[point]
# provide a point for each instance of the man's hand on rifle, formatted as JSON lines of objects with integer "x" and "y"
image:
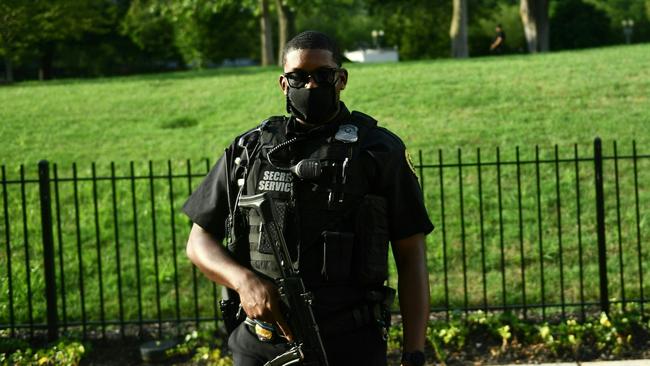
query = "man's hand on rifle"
{"x": 261, "y": 301}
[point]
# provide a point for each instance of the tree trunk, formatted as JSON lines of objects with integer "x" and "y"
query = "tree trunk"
{"x": 542, "y": 26}
{"x": 266, "y": 34}
{"x": 458, "y": 30}
{"x": 534, "y": 16}
{"x": 9, "y": 69}
{"x": 285, "y": 27}
{"x": 47, "y": 59}
{"x": 526, "y": 10}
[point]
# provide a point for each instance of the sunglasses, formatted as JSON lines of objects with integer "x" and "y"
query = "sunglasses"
{"x": 322, "y": 76}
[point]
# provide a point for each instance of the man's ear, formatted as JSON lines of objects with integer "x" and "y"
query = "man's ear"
{"x": 283, "y": 84}
{"x": 343, "y": 78}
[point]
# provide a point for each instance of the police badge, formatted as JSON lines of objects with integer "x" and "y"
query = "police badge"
{"x": 347, "y": 133}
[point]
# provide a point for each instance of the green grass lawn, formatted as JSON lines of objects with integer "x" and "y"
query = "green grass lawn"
{"x": 561, "y": 98}
{"x": 437, "y": 107}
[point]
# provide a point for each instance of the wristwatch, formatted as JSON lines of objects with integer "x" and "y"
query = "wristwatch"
{"x": 414, "y": 358}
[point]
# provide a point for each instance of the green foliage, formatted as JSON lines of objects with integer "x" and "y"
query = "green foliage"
{"x": 351, "y": 31}
{"x": 91, "y": 38}
{"x": 395, "y": 338}
{"x": 496, "y": 334}
{"x": 587, "y": 26}
{"x": 29, "y": 29}
{"x": 64, "y": 353}
{"x": 15, "y": 34}
{"x": 198, "y": 29}
{"x": 145, "y": 24}
{"x": 419, "y": 29}
{"x": 10, "y": 345}
{"x": 635, "y": 10}
{"x": 616, "y": 335}
{"x": 617, "y": 10}
{"x": 26, "y": 23}
{"x": 206, "y": 349}
{"x": 482, "y": 30}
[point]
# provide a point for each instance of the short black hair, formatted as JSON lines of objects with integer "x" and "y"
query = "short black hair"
{"x": 313, "y": 40}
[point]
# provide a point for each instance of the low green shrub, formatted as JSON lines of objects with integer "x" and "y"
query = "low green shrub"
{"x": 505, "y": 335}
{"x": 206, "y": 349}
{"x": 464, "y": 336}
{"x": 63, "y": 353}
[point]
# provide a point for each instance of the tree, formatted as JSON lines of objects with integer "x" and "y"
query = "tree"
{"x": 534, "y": 17}
{"x": 266, "y": 34}
{"x": 483, "y": 25}
{"x": 458, "y": 30}
{"x": 37, "y": 25}
{"x": 14, "y": 34}
{"x": 351, "y": 31}
{"x": 147, "y": 26}
{"x": 286, "y": 25}
{"x": 620, "y": 10}
{"x": 588, "y": 25}
{"x": 195, "y": 23}
{"x": 419, "y": 28}
{"x": 62, "y": 20}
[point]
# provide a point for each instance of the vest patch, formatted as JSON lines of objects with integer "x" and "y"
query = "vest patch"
{"x": 274, "y": 180}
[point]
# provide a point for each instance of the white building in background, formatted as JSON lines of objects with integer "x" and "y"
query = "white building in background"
{"x": 373, "y": 55}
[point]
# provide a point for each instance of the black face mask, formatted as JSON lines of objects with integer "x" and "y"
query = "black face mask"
{"x": 313, "y": 106}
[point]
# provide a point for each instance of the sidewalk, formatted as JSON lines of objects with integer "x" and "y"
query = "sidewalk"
{"x": 592, "y": 363}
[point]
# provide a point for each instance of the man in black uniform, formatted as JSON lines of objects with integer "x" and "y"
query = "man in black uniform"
{"x": 498, "y": 44}
{"x": 337, "y": 217}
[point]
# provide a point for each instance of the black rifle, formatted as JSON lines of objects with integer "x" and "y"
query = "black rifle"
{"x": 307, "y": 347}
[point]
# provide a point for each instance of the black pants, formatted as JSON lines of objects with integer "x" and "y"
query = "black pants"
{"x": 361, "y": 347}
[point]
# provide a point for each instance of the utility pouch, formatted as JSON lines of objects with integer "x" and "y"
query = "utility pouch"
{"x": 337, "y": 256}
{"x": 237, "y": 244}
{"x": 383, "y": 298}
{"x": 371, "y": 249}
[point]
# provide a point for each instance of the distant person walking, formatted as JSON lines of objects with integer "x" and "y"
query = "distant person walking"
{"x": 497, "y": 47}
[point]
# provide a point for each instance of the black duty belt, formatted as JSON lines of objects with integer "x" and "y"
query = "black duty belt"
{"x": 349, "y": 320}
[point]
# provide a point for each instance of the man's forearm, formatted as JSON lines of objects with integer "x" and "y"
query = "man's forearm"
{"x": 414, "y": 306}
{"x": 413, "y": 289}
{"x": 213, "y": 259}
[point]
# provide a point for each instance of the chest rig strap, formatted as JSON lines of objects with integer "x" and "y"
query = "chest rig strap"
{"x": 340, "y": 154}
{"x": 335, "y": 156}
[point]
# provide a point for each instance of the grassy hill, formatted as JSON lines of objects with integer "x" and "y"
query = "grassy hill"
{"x": 559, "y": 98}
{"x": 494, "y": 227}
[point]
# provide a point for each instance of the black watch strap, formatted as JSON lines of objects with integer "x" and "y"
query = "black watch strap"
{"x": 414, "y": 358}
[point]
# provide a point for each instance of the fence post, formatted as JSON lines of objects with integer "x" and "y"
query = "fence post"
{"x": 48, "y": 248}
{"x": 600, "y": 224}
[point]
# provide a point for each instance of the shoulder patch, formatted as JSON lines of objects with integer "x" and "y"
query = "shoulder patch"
{"x": 409, "y": 162}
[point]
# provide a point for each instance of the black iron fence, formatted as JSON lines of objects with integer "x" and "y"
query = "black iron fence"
{"x": 101, "y": 251}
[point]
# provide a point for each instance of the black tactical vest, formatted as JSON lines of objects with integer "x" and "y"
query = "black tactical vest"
{"x": 336, "y": 231}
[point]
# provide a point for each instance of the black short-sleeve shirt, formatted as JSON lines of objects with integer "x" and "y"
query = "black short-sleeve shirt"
{"x": 385, "y": 162}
